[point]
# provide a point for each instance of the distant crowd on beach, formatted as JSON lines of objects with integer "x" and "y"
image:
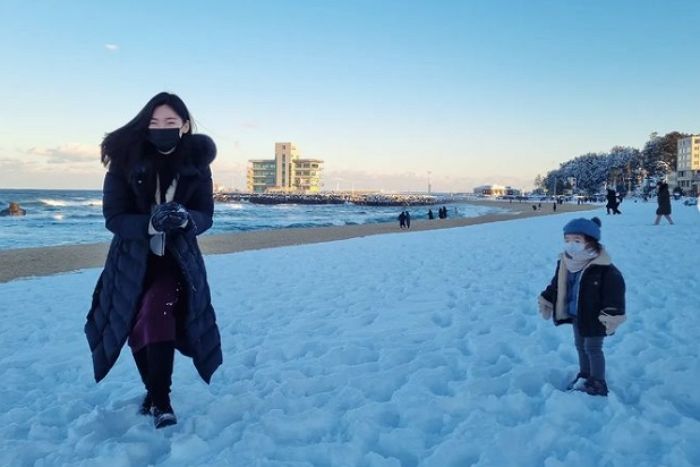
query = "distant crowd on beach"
{"x": 613, "y": 201}
{"x": 405, "y": 217}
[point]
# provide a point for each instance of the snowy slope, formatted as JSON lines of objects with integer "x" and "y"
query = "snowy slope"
{"x": 397, "y": 350}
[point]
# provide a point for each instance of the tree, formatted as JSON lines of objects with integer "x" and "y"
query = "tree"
{"x": 660, "y": 153}
{"x": 539, "y": 181}
{"x": 622, "y": 167}
{"x": 593, "y": 170}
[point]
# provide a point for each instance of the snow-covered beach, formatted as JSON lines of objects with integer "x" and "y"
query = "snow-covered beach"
{"x": 404, "y": 349}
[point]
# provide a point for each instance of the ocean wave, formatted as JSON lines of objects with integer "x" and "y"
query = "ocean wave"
{"x": 229, "y": 207}
{"x": 302, "y": 225}
{"x": 63, "y": 203}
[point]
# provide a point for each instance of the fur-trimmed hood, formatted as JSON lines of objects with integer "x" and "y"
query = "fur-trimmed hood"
{"x": 190, "y": 162}
{"x": 199, "y": 151}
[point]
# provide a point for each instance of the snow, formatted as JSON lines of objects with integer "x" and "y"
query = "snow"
{"x": 408, "y": 349}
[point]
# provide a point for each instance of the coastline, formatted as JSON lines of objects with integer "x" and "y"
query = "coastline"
{"x": 42, "y": 261}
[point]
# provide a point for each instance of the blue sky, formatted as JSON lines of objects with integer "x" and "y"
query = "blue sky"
{"x": 383, "y": 91}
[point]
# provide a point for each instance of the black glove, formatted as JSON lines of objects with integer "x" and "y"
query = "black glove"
{"x": 169, "y": 216}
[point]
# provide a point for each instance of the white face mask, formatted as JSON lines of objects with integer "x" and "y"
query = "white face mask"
{"x": 574, "y": 248}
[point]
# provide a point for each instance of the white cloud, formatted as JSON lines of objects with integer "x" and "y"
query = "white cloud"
{"x": 112, "y": 47}
{"x": 70, "y": 153}
{"x": 229, "y": 174}
{"x": 249, "y": 125}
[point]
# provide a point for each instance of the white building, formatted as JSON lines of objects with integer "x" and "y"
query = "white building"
{"x": 286, "y": 173}
{"x": 688, "y": 164}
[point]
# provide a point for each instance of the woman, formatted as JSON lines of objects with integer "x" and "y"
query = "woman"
{"x": 663, "y": 197}
{"x": 153, "y": 291}
{"x": 587, "y": 291}
{"x": 613, "y": 202}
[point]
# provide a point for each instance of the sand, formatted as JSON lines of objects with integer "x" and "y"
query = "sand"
{"x": 29, "y": 262}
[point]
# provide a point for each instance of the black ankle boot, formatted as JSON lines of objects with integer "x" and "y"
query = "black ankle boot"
{"x": 164, "y": 416}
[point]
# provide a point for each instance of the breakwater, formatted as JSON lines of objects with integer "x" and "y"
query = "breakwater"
{"x": 363, "y": 199}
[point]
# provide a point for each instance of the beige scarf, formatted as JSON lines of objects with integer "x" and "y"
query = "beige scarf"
{"x": 157, "y": 241}
{"x": 578, "y": 261}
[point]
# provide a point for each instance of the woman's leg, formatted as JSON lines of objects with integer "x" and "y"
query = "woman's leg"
{"x": 152, "y": 340}
{"x": 141, "y": 360}
{"x": 160, "y": 364}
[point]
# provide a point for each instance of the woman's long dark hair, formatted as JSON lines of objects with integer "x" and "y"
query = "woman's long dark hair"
{"x": 124, "y": 146}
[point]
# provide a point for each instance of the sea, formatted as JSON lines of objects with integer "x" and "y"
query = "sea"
{"x": 62, "y": 217}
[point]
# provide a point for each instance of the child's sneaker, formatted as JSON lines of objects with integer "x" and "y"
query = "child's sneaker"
{"x": 572, "y": 385}
{"x": 595, "y": 387}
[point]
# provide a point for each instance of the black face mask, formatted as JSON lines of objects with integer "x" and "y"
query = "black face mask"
{"x": 165, "y": 140}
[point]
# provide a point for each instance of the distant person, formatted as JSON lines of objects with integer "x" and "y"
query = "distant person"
{"x": 153, "y": 291}
{"x": 554, "y": 206}
{"x": 402, "y": 220}
{"x": 613, "y": 202}
{"x": 408, "y": 220}
{"x": 663, "y": 198}
{"x": 430, "y": 214}
{"x": 13, "y": 210}
{"x": 587, "y": 291}
{"x": 444, "y": 212}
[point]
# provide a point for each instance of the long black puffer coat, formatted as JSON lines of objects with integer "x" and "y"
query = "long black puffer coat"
{"x": 126, "y": 206}
{"x": 664, "y": 200}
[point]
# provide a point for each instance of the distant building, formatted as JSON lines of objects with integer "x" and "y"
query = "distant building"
{"x": 497, "y": 190}
{"x": 490, "y": 190}
{"x": 510, "y": 191}
{"x": 286, "y": 173}
{"x": 688, "y": 165}
{"x": 261, "y": 175}
{"x": 307, "y": 175}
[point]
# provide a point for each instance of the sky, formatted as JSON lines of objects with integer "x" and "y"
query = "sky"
{"x": 390, "y": 94}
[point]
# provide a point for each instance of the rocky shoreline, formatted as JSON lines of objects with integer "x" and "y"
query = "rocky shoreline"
{"x": 339, "y": 198}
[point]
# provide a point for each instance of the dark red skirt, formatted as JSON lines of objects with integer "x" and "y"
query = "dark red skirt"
{"x": 156, "y": 320}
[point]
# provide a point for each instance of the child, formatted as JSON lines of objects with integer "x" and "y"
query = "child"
{"x": 587, "y": 291}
